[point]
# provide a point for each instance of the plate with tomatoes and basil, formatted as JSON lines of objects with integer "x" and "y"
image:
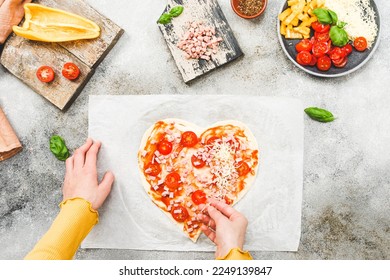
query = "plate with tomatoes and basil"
{"x": 329, "y": 52}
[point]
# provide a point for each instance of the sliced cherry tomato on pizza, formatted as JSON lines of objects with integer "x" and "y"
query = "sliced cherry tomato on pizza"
{"x": 152, "y": 169}
{"x": 319, "y": 27}
{"x": 340, "y": 63}
{"x": 197, "y": 162}
{"x": 70, "y": 71}
{"x": 304, "y": 58}
{"x": 228, "y": 200}
{"x": 337, "y": 53}
{"x": 320, "y": 48}
{"x": 211, "y": 140}
{"x": 172, "y": 180}
{"x": 235, "y": 144}
{"x": 45, "y": 74}
{"x": 189, "y": 139}
{"x": 321, "y": 36}
{"x": 324, "y": 63}
{"x": 243, "y": 168}
{"x": 179, "y": 213}
{"x": 348, "y": 49}
{"x": 164, "y": 147}
{"x": 199, "y": 197}
{"x": 313, "y": 61}
{"x": 304, "y": 45}
{"x": 360, "y": 44}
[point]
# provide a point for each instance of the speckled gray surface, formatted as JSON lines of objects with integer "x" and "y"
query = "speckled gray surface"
{"x": 346, "y": 191}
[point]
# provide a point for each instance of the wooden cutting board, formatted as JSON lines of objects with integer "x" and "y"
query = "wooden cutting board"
{"x": 209, "y": 12}
{"x": 23, "y": 57}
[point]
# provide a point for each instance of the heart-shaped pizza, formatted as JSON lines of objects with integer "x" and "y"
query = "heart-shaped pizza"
{"x": 182, "y": 165}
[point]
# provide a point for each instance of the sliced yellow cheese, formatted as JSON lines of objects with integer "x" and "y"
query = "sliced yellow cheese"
{"x": 53, "y": 25}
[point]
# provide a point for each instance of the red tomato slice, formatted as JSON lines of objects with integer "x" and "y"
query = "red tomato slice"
{"x": 199, "y": 197}
{"x": 70, "y": 71}
{"x": 348, "y": 49}
{"x": 337, "y": 53}
{"x": 189, "y": 139}
{"x": 324, "y": 63}
{"x": 321, "y": 37}
{"x": 321, "y": 28}
{"x": 304, "y": 58}
{"x": 313, "y": 61}
{"x": 45, "y": 74}
{"x": 341, "y": 63}
{"x": 179, "y": 213}
{"x": 152, "y": 169}
{"x": 360, "y": 44}
{"x": 228, "y": 200}
{"x": 172, "y": 180}
{"x": 164, "y": 147}
{"x": 211, "y": 140}
{"x": 320, "y": 48}
{"x": 304, "y": 45}
{"x": 197, "y": 162}
{"x": 243, "y": 169}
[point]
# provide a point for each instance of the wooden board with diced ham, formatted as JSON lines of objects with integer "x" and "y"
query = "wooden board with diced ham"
{"x": 183, "y": 165}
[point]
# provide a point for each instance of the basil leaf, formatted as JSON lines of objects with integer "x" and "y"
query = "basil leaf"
{"x": 338, "y": 36}
{"x": 58, "y": 147}
{"x": 333, "y": 16}
{"x": 323, "y": 16}
{"x": 341, "y": 24}
{"x": 165, "y": 19}
{"x": 320, "y": 115}
{"x": 176, "y": 11}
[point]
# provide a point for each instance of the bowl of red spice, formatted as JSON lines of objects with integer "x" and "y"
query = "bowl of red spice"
{"x": 249, "y": 8}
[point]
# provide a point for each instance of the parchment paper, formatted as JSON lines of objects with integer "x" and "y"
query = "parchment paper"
{"x": 130, "y": 220}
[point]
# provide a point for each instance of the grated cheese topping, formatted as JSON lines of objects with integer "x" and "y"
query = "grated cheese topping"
{"x": 359, "y": 16}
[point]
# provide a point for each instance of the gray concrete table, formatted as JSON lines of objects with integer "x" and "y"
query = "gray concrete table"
{"x": 346, "y": 191}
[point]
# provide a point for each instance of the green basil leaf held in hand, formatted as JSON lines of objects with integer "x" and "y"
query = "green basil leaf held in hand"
{"x": 58, "y": 148}
{"x": 165, "y": 19}
{"x": 338, "y": 36}
{"x": 176, "y": 11}
{"x": 319, "y": 114}
{"x": 323, "y": 16}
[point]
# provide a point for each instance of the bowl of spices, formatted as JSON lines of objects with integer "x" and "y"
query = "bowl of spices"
{"x": 249, "y": 8}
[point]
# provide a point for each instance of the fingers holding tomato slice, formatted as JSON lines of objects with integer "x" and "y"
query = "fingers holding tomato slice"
{"x": 45, "y": 74}
{"x": 70, "y": 71}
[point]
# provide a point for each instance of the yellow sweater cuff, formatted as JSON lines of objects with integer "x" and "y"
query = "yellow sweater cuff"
{"x": 236, "y": 254}
{"x": 75, "y": 220}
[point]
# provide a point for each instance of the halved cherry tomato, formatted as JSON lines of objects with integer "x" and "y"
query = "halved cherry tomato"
{"x": 337, "y": 53}
{"x": 45, "y": 74}
{"x": 320, "y": 27}
{"x": 197, "y": 162}
{"x": 179, "y": 213}
{"x": 321, "y": 36}
{"x": 340, "y": 63}
{"x": 189, "y": 139}
{"x": 164, "y": 147}
{"x": 324, "y": 63}
{"x": 70, "y": 71}
{"x": 228, "y": 200}
{"x": 211, "y": 140}
{"x": 152, "y": 169}
{"x": 172, "y": 180}
{"x": 304, "y": 58}
{"x": 313, "y": 61}
{"x": 243, "y": 169}
{"x": 360, "y": 44}
{"x": 304, "y": 45}
{"x": 199, "y": 197}
{"x": 348, "y": 49}
{"x": 320, "y": 48}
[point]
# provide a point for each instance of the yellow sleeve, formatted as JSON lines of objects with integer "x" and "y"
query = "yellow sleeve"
{"x": 71, "y": 226}
{"x": 237, "y": 254}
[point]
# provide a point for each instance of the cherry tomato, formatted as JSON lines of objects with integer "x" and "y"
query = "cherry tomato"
{"x": 313, "y": 61}
{"x": 179, "y": 213}
{"x": 189, "y": 139}
{"x": 70, "y": 71}
{"x": 324, "y": 63}
{"x": 340, "y": 63}
{"x": 152, "y": 169}
{"x": 199, "y": 197}
{"x": 304, "y": 45}
{"x": 211, "y": 140}
{"x": 243, "y": 169}
{"x": 228, "y": 200}
{"x": 348, "y": 49}
{"x": 321, "y": 37}
{"x": 360, "y": 44}
{"x": 164, "y": 147}
{"x": 320, "y": 48}
{"x": 304, "y": 58}
{"x": 45, "y": 74}
{"x": 321, "y": 28}
{"x": 197, "y": 162}
{"x": 172, "y": 180}
{"x": 337, "y": 53}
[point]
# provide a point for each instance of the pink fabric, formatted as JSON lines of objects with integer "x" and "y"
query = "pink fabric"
{"x": 9, "y": 142}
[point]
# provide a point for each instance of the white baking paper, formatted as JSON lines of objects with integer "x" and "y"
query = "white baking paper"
{"x": 130, "y": 220}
